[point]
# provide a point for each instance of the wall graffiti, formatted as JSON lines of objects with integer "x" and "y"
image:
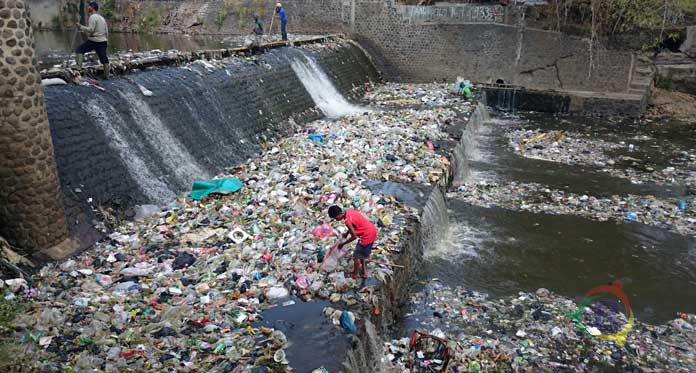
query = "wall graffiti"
{"x": 451, "y": 14}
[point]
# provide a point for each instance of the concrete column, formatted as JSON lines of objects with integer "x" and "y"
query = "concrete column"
{"x": 31, "y": 205}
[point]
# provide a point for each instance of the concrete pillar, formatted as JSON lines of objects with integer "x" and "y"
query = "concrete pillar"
{"x": 31, "y": 205}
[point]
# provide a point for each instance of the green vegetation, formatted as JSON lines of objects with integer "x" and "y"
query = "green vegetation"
{"x": 106, "y": 8}
{"x": 8, "y": 311}
{"x": 243, "y": 14}
{"x": 222, "y": 15}
{"x": 150, "y": 21}
{"x": 663, "y": 82}
{"x": 605, "y": 17}
{"x": 56, "y": 22}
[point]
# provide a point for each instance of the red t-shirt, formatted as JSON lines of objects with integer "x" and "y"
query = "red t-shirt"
{"x": 366, "y": 231}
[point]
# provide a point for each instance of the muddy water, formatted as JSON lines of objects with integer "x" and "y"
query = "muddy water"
{"x": 501, "y": 252}
{"x": 313, "y": 341}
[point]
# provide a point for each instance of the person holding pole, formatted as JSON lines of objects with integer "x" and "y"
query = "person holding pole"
{"x": 97, "y": 36}
{"x": 283, "y": 20}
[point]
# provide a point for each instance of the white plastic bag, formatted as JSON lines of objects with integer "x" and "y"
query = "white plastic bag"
{"x": 331, "y": 260}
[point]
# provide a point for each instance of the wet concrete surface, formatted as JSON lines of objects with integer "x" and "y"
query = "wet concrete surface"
{"x": 502, "y": 252}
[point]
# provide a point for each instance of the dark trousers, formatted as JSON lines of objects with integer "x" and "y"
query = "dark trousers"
{"x": 283, "y": 31}
{"x": 99, "y": 47}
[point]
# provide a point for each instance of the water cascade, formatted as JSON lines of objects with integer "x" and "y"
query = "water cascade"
{"x": 327, "y": 98}
{"x": 139, "y": 168}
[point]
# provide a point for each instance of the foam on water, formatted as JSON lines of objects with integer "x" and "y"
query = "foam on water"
{"x": 176, "y": 157}
{"x": 114, "y": 127}
{"x": 461, "y": 241}
{"x": 325, "y": 95}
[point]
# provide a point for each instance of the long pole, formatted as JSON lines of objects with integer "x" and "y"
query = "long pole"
{"x": 72, "y": 45}
{"x": 270, "y": 29}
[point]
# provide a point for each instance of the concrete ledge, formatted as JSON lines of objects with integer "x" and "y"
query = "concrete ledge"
{"x": 187, "y": 57}
{"x": 366, "y": 355}
{"x": 510, "y": 98}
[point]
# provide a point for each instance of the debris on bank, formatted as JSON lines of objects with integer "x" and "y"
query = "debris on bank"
{"x": 182, "y": 289}
{"x": 576, "y": 149}
{"x": 539, "y": 331}
{"x": 678, "y": 216}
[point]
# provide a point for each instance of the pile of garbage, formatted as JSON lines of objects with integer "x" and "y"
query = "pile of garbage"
{"x": 540, "y": 331}
{"x": 560, "y": 146}
{"x": 184, "y": 288}
{"x": 429, "y": 95}
{"x": 577, "y": 149}
{"x": 675, "y": 215}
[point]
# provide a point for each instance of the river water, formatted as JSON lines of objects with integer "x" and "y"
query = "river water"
{"x": 501, "y": 252}
{"x": 53, "y": 47}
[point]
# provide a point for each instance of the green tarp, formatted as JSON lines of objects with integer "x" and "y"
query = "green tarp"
{"x": 202, "y": 188}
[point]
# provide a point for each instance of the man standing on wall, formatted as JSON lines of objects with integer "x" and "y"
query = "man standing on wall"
{"x": 283, "y": 20}
{"x": 97, "y": 35}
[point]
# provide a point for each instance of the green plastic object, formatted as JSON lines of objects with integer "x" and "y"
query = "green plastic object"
{"x": 466, "y": 92}
{"x": 202, "y": 188}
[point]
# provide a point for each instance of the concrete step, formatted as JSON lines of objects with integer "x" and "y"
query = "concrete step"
{"x": 642, "y": 71}
{"x": 641, "y": 80}
{"x": 637, "y": 91}
{"x": 638, "y": 86}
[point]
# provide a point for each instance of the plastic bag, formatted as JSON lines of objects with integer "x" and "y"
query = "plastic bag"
{"x": 331, "y": 260}
{"x": 348, "y": 322}
{"x": 322, "y": 231}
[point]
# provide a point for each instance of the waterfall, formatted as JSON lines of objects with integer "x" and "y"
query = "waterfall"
{"x": 177, "y": 159}
{"x": 325, "y": 95}
{"x": 115, "y": 129}
{"x": 507, "y": 99}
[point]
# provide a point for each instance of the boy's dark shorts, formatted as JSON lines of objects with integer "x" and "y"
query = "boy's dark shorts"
{"x": 363, "y": 251}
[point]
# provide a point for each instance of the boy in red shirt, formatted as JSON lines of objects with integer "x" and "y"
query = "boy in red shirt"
{"x": 358, "y": 227}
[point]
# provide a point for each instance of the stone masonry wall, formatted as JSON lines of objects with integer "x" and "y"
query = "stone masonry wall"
{"x": 230, "y": 16}
{"x": 483, "y": 47}
{"x": 31, "y": 210}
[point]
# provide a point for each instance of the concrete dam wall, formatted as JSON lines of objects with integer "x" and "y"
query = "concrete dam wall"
{"x": 120, "y": 147}
{"x": 483, "y": 43}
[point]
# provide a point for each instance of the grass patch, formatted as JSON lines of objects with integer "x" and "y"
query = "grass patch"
{"x": 150, "y": 21}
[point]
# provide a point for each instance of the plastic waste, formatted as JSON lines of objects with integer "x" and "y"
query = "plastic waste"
{"x": 323, "y": 231}
{"x": 277, "y": 292}
{"x": 331, "y": 260}
{"x": 348, "y": 322}
{"x": 143, "y": 212}
{"x": 146, "y": 92}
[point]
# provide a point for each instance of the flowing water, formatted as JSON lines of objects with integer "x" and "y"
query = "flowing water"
{"x": 131, "y": 151}
{"x": 323, "y": 92}
{"x": 176, "y": 157}
{"x": 501, "y": 252}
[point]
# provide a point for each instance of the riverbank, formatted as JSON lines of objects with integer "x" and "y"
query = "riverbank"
{"x": 185, "y": 288}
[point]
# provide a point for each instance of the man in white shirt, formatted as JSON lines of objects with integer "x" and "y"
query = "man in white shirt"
{"x": 97, "y": 35}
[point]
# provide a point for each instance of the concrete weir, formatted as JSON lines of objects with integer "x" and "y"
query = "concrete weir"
{"x": 366, "y": 355}
{"x": 118, "y": 148}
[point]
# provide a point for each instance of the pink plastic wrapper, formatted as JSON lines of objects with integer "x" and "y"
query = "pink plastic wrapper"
{"x": 322, "y": 231}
